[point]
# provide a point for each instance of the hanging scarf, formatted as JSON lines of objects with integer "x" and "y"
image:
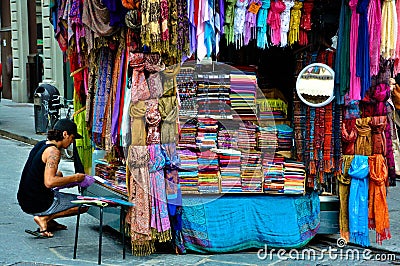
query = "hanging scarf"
{"x": 153, "y": 119}
{"x": 344, "y": 191}
{"x": 378, "y": 126}
{"x": 363, "y": 143}
{"x": 138, "y": 216}
{"x": 285, "y": 21}
{"x": 164, "y": 20}
{"x": 96, "y": 17}
{"x": 169, "y": 80}
{"x": 250, "y": 25}
{"x": 183, "y": 30}
{"x": 172, "y": 51}
{"x": 388, "y": 29}
{"x": 274, "y": 21}
{"x": 397, "y": 52}
{"x": 168, "y": 108}
{"x": 342, "y": 76}
{"x": 328, "y": 156}
{"x": 262, "y": 24}
{"x": 381, "y": 94}
{"x": 355, "y": 85}
{"x": 118, "y": 100}
{"x": 150, "y": 32}
{"x": 362, "y": 64}
{"x": 305, "y": 21}
{"x": 160, "y": 225}
{"x": 374, "y": 29}
{"x": 154, "y": 66}
{"x": 192, "y": 25}
{"x": 238, "y": 24}
{"x": 294, "y": 27}
{"x": 390, "y": 156}
{"x": 137, "y": 112}
{"x": 358, "y": 200}
{"x": 139, "y": 90}
{"x": 378, "y": 213}
{"x": 131, "y": 4}
{"x": 229, "y": 21}
{"x": 349, "y": 136}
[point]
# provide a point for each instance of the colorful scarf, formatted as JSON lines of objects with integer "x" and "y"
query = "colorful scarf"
{"x": 229, "y": 21}
{"x": 96, "y": 17}
{"x": 305, "y": 21}
{"x": 160, "y": 225}
{"x": 168, "y": 107}
{"x": 153, "y": 66}
{"x": 250, "y": 24}
{"x": 262, "y": 24}
{"x": 285, "y": 21}
{"x": 349, "y": 136}
{"x": 389, "y": 29}
{"x": 397, "y": 52}
{"x": 153, "y": 119}
{"x": 238, "y": 24}
{"x": 378, "y": 126}
{"x": 358, "y": 200}
{"x": 294, "y": 27}
{"x": 274, "y": 21}
{"x": 378, "y": 213}
{"x": 381, "y": 94}
{"x": 137, "y": 112}
{"x": 138, "y": 216}
{"x": 139, "y": 90}
{"x": 363, "y": 143}
{"x": 374, "y": 29}
{"x": 328, "y": 156}
{"x": 344, "y": 191}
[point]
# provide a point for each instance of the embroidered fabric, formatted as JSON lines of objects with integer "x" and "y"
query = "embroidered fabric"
{"x": 139, "y": 90}
{"x": 153, "y": 119}
{"x": 238, "y": 24}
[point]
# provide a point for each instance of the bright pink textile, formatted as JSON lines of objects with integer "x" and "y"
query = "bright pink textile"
{"x": 355, "y": 84}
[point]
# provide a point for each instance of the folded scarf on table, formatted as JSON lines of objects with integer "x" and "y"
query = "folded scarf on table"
{"x": 358, "y": 200}
{"x": 378, "y": 213}
{"x": 344, "y": 190}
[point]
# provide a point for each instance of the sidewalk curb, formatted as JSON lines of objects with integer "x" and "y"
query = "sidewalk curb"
{"x": 18, "y": 137}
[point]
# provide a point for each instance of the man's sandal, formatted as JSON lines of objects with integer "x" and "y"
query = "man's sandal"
{"x": 38, "y": 233}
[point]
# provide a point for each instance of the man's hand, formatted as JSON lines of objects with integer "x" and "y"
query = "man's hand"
{"x": 79, "y": 177}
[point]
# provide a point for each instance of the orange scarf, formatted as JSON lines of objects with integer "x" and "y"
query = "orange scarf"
{"x": 378, "y": 213}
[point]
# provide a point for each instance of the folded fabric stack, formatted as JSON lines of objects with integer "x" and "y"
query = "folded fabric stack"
{"x": 213, "y": 95}
{"x": 188, "y": 170}
{"x": 120, "y": 177}
{"x": 251, "y": 171}
{"x": 229, "y": 163}
{"x": 273, "y": 174}
{"x": 209, "y": 174}
{"x": 187, "y": 88}
{"x": 187, "y": 138}
{"x": 271, "y": 108}
{"x": 103, "y": 170}
{"x": 243, "y": 95}
{"x": 295, "y": 176}
{"x": 285, "y": 137}
{"x": 267, "y": 139}
{"x": 207, "y": 131}
{"x": 247, "y": 136}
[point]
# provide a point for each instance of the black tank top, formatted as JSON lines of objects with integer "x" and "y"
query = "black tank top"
{"x": 33, "y": 196}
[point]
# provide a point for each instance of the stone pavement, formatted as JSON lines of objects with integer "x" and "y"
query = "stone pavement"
{"x": 17, "y": 122}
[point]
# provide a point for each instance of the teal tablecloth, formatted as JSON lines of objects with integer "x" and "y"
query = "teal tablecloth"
{"x": 236, "y": 222}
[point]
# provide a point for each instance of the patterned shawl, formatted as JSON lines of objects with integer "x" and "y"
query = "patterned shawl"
{"x": 140, "y": 90}
{"x": 138, "y": 216}
{"x": 378, "y": 213}
{"x": 96, "y": 17}
{"x": 153, "y": 119}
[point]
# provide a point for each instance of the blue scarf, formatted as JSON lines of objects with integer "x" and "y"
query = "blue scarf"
{"x": 358, "y": 200}
{"x": 262, "y": 24}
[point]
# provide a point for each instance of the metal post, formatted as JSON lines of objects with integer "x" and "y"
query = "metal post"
{"x": 77, "y": 230}
{"x": 122, "y": 229}
{"x": 100, "y": 233}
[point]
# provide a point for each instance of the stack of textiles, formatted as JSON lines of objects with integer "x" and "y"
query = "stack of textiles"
{"x": 229, "y": 163}
{"x": 250, "y": 171}
{"x": 285, "y": 137}
{"x": 247, "y": 136}
{"x": 207, "y": 132}
{"x": 209, "y": 174}
{"x": 267, "y": 139}
{"x": 213, "y": 98}
{"x": 273, "y": 174}
{"x": 120, "y": 178}
{"x": 188, "y": 170}
{"x": 103, "y": 170}
{"x": 187, "y": 138}
{"x": 295, "y": 176}
{"x": 187, "y": 88}
{"x": 228, "y": 134}
{"x": 243, "y": 95}
{"x": 271, "y": 108}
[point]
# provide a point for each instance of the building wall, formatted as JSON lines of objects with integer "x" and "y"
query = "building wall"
{"x": 52, "y": 56}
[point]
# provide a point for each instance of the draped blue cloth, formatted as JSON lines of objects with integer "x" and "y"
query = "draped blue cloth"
{"x": 227, "y": 223}
{"x": 358, "y": 200}
{"x": 262, "y": 24}
{"x": 362, "y": 61}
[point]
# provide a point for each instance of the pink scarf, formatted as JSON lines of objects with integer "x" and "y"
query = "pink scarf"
{"x": 355, "y": 83}
{"x": 274, "y": 21}
{"x": 374, "y": 29}
{"x": 397, "y": 59}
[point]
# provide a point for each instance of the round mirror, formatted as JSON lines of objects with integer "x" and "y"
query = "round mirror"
{"x": 315, "y": 84}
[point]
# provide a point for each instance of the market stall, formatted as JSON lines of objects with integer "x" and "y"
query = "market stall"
{"x": 218, "y": 119}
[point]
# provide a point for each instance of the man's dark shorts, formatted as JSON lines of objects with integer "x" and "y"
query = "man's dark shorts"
{"x": 61, "y": 202}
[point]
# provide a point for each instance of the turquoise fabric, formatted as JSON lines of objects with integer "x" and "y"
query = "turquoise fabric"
{"x": 236, "y": 222}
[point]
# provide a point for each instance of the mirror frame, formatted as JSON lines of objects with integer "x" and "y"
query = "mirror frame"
{"x": 331, "y": 97}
